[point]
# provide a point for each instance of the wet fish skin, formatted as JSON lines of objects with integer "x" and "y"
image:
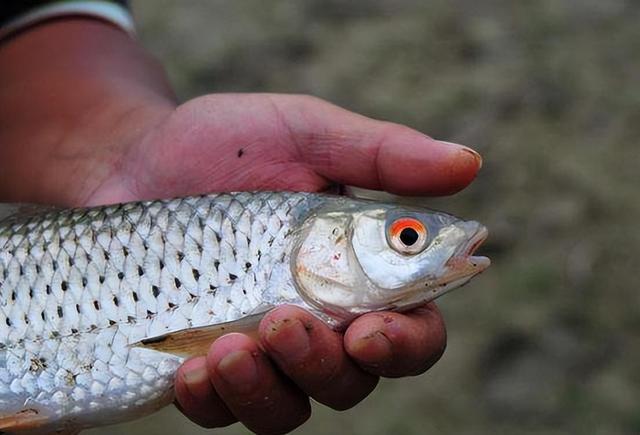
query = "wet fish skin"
{"x": 80, "y": 288}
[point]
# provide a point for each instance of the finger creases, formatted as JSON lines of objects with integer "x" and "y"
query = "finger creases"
{"x": 393, "y": 344}
{"x": 252, "y": 389}
{"x": 313, "y": 356}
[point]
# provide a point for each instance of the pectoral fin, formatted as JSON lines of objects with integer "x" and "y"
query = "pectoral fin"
{"x": 196, "y": 341}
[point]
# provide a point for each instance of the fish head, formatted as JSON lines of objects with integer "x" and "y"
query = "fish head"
{"x": 366, "y": 257}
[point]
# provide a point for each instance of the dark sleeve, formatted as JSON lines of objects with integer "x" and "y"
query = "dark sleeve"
{"x": 10, "y": 9}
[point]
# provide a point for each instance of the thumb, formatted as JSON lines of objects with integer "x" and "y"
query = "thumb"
{"x": 292, "y": 142}
{"x": 352, "y": 149}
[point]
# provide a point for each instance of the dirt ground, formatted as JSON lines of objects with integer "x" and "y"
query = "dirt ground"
{"x": 548, "y": 340}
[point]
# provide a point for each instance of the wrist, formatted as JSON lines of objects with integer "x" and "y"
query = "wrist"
{"x": 76, "y": 94}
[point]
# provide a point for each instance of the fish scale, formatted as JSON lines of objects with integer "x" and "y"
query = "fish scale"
{"x": 79, "y": 287}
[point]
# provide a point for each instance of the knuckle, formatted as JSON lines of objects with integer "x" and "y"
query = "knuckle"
{"x": 386, "y": 130}
{"x": 307, "y": 99}
{"x": 283, "y": 103}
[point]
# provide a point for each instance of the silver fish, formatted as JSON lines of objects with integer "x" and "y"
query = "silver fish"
{"x": 99, "y": 306}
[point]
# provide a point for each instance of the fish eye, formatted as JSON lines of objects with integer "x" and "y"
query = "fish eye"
{"x": 407, "y": 235}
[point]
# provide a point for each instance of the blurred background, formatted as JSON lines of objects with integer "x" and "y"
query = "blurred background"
{"x": 548, "y": 340}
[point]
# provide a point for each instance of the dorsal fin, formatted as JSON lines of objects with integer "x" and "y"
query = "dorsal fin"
{"x": 196, "y": 341}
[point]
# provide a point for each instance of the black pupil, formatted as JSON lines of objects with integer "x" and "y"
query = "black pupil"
{"x": 409, "y": 236}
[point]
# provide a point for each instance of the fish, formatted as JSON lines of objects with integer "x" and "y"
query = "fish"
{"x": 99, "y": 306}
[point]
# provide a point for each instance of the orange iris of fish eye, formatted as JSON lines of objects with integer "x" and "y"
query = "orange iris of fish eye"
{"x": 401, "y": 224}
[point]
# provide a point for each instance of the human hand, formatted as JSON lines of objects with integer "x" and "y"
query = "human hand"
{"x": 117, "y": 137}
{"x": 253, "y": 142}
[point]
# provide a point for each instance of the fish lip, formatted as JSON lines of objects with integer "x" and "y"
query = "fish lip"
{"x": 480, "y": 263}
{"x": 477, "y": 261}
{"x": 464, "y": 260}
{"x": 474, "y": 242}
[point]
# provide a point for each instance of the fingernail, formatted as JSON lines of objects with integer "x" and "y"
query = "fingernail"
{"x": 194, "y": 373}
{"x": 239, "y": 368}
{"x": 289, "y": 338}
{"x": 477, "y": 157}
{"x": 373, "y": 349}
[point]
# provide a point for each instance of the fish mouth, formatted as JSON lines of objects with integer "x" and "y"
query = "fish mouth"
{"x": 468, "y": 249}
{"x": 463, "y": 264}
